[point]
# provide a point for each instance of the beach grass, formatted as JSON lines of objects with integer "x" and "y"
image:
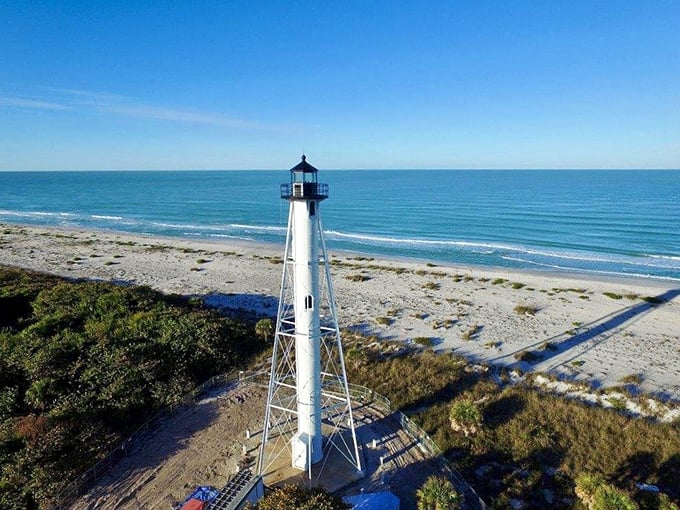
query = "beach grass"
{"x": 357, "y": 277}
{"x": 526, "y": 435}
{"x": 526, "y": 309}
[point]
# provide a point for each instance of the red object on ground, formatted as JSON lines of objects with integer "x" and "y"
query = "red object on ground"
{"x": 194, "y": 504}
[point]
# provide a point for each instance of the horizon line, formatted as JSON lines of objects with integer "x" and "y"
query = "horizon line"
{"x": 405, "y": 169}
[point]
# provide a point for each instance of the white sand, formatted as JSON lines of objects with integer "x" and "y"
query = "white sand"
{"x": 595, "y": 338}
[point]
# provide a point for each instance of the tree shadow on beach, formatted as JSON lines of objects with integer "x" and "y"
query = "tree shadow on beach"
{"x": 369, "y": 331}
{"x": 595, "y": 332}
{"x": 255, "y": 305}
{"x": 502, "y": 410}
{"x": 646, "y": 467}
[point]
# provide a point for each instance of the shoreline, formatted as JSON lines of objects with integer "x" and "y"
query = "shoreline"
{"x": 601, "y": 331}
{"x": 231, "y": 242}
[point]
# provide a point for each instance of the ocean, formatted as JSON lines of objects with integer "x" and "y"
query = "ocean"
{"x": 607, "y": 222}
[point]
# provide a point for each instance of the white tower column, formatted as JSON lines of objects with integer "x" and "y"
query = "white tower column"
{"x": 307, "y": 441}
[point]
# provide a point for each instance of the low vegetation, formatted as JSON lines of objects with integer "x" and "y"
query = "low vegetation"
{"x": 264, "y": 328}
{"x": 438, "y": 493}
{"x": 471, "y": 332}
{"x": 291, "y": 496}
{"x": 431, "y": 286}
{"x": 384, "y": 321}
{"x": 82, "y": 364}
{"x": 357, "y": 277}
{"x": 526, "y": 310}
{"x": 530, "y": 446}
{"x": 465, "y": 417}
{"x": 446, "y": 324}
{"x": 632, "y": 379}
{"x": 425, "y": 341}
{"x": 527, "y": 356}
{"x": 596, "y": 494}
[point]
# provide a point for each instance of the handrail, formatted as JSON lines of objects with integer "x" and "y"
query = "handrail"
{"x": 416, "y": 433}
{"x": 304, "y": 190}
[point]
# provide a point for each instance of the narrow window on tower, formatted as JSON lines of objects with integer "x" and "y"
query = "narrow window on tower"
{"x": 312, "y": 208}
{"x": 309, "y": 302}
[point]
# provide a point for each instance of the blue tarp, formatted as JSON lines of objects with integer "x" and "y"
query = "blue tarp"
{"x": 205, "y": 494}
{"x": 373, "y": 501}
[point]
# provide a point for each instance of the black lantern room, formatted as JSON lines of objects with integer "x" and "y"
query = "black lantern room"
{"x": 303, "y": 183}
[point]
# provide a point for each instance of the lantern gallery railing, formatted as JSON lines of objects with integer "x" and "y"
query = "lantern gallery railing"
{"x": 313, "y": 190}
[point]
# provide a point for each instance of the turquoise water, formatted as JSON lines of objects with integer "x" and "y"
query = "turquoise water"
{"x": 605, "y": 222}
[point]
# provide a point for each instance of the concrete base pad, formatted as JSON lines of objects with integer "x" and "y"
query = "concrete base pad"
{"x": 332, "y": 473}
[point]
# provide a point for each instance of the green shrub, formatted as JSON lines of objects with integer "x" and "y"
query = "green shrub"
{"x": 83, "y": 364}
{"x": 425, "y": 341}
{"x": 613, "y": 295}
{"x": 587, "y": 485}
{"x": 357, "y": 277}
{"x": 632, "y": 379}
{"x": 526, "y": 310}
{"x": 470, "y": 333}
{"x": 355, "y": 356}
{"x": 446, "y": 324}
{"x": 664, "y": 503}
{"x": 466, "y": 413}
{"x": 618, "y": 404}
{"x": 291, "y": 496}
{"x": 264, "y": 328}
{"x": 438, "y": 493}
{"x": 608, "y": 497}
{"x": 527, "y": 356}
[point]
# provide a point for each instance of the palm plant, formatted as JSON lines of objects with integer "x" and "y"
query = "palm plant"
{"x": 608, "y": 497}
{"x": 264, "y": 328}
{"x": 586, "y": 487}
{"x": 465, "y": 416}
{"x": 438, "y": 493}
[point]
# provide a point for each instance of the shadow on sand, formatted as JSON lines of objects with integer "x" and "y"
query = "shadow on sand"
{"x": 256, "y": 305}
{"x": 595, "y": 332}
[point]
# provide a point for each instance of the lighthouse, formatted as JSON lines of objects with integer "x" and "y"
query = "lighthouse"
{"x": 308, "y": 413}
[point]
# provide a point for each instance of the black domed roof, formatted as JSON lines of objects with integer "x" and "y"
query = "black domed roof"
{"x": 303, "y": 166}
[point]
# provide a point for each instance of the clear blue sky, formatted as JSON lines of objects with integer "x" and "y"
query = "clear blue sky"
{"x": 367, "y": 84}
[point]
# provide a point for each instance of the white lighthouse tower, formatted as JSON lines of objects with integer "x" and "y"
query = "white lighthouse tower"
{"x": 308, "y": 414}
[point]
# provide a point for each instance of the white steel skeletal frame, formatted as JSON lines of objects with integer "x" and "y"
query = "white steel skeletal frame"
{"x": 280, "y": 422}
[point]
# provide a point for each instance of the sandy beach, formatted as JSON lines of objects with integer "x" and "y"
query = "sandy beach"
{"x": 601, "y": 331}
